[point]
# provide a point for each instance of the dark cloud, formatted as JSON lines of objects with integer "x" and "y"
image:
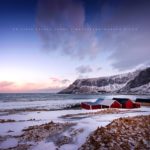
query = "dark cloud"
{"x": 68, "y": 14}
{"x": 60, "y": 82}
{"x": 127, "y": 42}
{"x": 129, "y": 48}
{"x": 84, "y": 69}
{"x": 54, "y": 13}
{"x": 99, "y": 68}
{"x": 131, "y": 51}
{"x": 65, "y": 81}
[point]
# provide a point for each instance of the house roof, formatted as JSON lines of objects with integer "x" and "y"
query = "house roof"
{"x": 98, "y": 101}
{"x": 107, "y": 102}
{"x": 121, "y": 100}
{"x": 143, "y": 100}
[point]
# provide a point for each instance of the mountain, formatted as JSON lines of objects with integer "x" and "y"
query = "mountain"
{"x": 140, "y": 84}
{"x": 137, "y": 82}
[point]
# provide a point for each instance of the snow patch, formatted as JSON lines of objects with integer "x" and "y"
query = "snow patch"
{"x": 9, "y": 143}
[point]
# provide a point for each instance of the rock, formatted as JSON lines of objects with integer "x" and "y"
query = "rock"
{"x": 127, "y": 83}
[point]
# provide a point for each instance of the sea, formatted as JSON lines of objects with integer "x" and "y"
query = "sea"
{"x": 52, "y": 101}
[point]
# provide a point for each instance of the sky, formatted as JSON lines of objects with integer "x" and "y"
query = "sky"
{"x": 47, "y": 44}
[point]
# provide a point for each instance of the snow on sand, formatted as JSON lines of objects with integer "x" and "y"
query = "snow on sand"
{"x": 33, "y": 130}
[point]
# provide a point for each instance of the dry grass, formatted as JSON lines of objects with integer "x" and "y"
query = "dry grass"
{"x": 121, "y": 134}
{"x": 104, "y": 111}
{"x": 6, "y": 121}
{"x": 40, "y": 132}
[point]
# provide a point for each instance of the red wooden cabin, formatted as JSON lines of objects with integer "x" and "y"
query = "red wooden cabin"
{"x": 126, "y": 103}
{"x": 143, "y": 101}
{"x": 137, "y": 105}
{"x": 110, "y": 104}
{"x": 90, "y": 105}
{"x": 116, "y": 104}
{"x": 101, "y": 104}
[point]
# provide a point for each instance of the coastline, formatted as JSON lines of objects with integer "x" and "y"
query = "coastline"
{"x": 39, "y": 126}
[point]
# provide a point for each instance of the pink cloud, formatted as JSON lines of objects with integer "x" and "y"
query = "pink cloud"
{"x": 4, "y": 84}
{"x": 52, "y": 85}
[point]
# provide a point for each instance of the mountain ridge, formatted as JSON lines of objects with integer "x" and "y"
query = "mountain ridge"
{"x": 127, "y": 83}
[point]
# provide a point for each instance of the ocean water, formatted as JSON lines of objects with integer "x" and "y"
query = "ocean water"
{"x": 49, "y": 101}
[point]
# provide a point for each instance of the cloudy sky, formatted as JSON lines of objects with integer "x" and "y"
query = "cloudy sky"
{"x": 46, "y": 44}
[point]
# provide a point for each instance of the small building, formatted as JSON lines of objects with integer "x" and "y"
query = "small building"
{"x": 136, "y": 105}
{"x": 126, "y": 103}
{"x": 92, "y": 105}
{"x": 143, "y": 101}
{"x": 100, "y": 103}
{"x": 110, "y": 104}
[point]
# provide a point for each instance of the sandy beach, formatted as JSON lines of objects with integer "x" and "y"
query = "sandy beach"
{"x": 62, "y": 129}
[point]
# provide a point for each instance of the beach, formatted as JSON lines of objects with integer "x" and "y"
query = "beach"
{"x": 61, "y": 128}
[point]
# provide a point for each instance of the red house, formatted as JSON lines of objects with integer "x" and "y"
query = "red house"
{"x": 143, "y": 101}
{"x": 110, "y": 104}
{"x": 90, "y": 105}
{"x": 126, "y": 103}
{"x": 101, "y": 104}
{"x": 115, "y": 103}
{"x": 137, "y": 105}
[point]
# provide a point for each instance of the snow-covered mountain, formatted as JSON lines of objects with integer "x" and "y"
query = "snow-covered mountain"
{"x": 137, "y": 82}
{"x": 140, "y": 84}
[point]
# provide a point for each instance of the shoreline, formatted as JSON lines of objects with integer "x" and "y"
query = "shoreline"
{"x": 39, "y": 125}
